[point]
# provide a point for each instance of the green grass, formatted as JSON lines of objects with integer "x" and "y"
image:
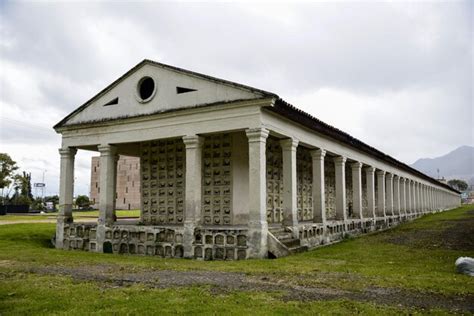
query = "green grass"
{"x": 76, "y": 214}
{"x": 353, "y": 264}
{"x": 60, "y": 295}
{"x": 28, "y": 217}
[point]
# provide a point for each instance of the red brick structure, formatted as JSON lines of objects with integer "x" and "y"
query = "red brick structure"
{"x": 128, "y": 183}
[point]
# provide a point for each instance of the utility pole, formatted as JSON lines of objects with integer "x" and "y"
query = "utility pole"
{"x": 42, "y": 188}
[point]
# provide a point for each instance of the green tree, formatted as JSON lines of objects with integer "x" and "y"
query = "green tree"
{"x": 22, "y": 189}
{"x": 7, "y": 168}
{"x": 83, "y": 201}
{"x": 457, "y": 184}
{"x": 38, "y": 204}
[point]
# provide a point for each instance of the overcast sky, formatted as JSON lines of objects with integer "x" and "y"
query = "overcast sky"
{"x": 398, "y": 76}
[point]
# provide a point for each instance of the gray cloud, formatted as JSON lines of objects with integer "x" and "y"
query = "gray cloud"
{"x": 396, "y": 75}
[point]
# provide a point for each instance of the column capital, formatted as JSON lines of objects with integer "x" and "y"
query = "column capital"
{"x": 380, "y": 172}
{"x": 107, "y": 149}
{"x": 257, "y": 134}
{"x": 369, "y": 169}
{"x": 67, "y": 152}
{"x": 289, "y": 144}
{"x": 396, "y": 177}
{"x": 356, "y": 165}
{"x": 389, "y": 176}
{"x": 340, "y": 160}
{"x": 318, "y": 154}
{"x": 193, "y": 141}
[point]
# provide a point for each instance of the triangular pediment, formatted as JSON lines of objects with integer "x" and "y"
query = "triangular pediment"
{"x": 151, "y": 88}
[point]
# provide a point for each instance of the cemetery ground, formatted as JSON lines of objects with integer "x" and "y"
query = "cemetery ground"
{"x": 409, "y": 269}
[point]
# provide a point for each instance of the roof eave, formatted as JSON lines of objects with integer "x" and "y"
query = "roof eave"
{"x": 294, "y": 114}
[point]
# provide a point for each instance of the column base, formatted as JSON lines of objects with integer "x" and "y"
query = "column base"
{"x": 61, "y": 221}
{"x": 188, "y": 239}
{"x": 257, "y": 240}
{"x": 100, "y": 237}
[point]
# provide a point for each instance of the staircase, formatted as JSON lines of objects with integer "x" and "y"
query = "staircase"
{"x": 281, "y": 242}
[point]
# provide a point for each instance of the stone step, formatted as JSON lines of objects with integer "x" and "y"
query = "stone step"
{"x": 274, "y": 230}
{"x": 290, "y": 242}
{"x": 283, "y": 235}
{"x": 298, "y": 249}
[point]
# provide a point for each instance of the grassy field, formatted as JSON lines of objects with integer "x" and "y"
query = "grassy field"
{"x": 76, "y": 214}
{"x": 409, "y": 269}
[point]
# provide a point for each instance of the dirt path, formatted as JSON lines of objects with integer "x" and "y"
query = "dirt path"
{"x": 224, "y": 282}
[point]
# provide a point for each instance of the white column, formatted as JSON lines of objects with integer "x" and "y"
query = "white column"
{"x": 431, "y": 199}
{"x": 423, "y": 201}
{"x": 396, "y": 196}
{"x": 107, "y": 195}
{"x": 66, "y": 192}
{"x": 290, "y": 207}
{"x": 422, "y": 198}
{"x": 319, "y": 200}
{"x": 357, "y": 189}
{"x": 193, "y": 181}
{"x": 418, "y": 197}
{"x": 381, "y": 193}
{"x": 258, "y": 226}
{"x": 389, "y": 192}
{"x": 409, "y": 206}
{"x": 428, "y": 191}
{"x": 340, "y": 167}
{"x": 370, "y": 180}
{"x": 403, "y": 196}
{"x": 425, "y": 198}
{"x": 413, "y": 197}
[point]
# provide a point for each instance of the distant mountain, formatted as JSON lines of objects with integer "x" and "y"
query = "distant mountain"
{"x": 458, "y": 164}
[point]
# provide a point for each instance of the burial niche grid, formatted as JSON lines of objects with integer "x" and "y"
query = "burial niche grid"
{"x": 330, "y": 187}
{"x": 304, "y": 170}
{"x": 274, "y": 167}
{"x": 163, "y": 176}
{"x": 349, "y": 191}
{"x": 217, "y": 180}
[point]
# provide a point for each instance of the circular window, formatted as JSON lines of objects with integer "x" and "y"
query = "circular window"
{"x": 146, "y": 89}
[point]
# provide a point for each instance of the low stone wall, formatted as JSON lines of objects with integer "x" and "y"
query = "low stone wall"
{"x": 165, "y": 242}
{"x": 316, "y": 235}
{"x": 210, "y": 243}
{"x": 228, "y": 244}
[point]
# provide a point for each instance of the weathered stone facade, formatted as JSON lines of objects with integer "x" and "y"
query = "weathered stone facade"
{"x": 229, "y": 172}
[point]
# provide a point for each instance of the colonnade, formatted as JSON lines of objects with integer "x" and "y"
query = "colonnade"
{"x": 398, "y": 195}
{"x": 388, "y": 194}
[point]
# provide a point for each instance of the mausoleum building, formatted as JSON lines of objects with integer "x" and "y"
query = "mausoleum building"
{"x": 228, "y": 171}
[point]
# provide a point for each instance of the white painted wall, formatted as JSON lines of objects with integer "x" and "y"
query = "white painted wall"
{"x": 166, "y": 98}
